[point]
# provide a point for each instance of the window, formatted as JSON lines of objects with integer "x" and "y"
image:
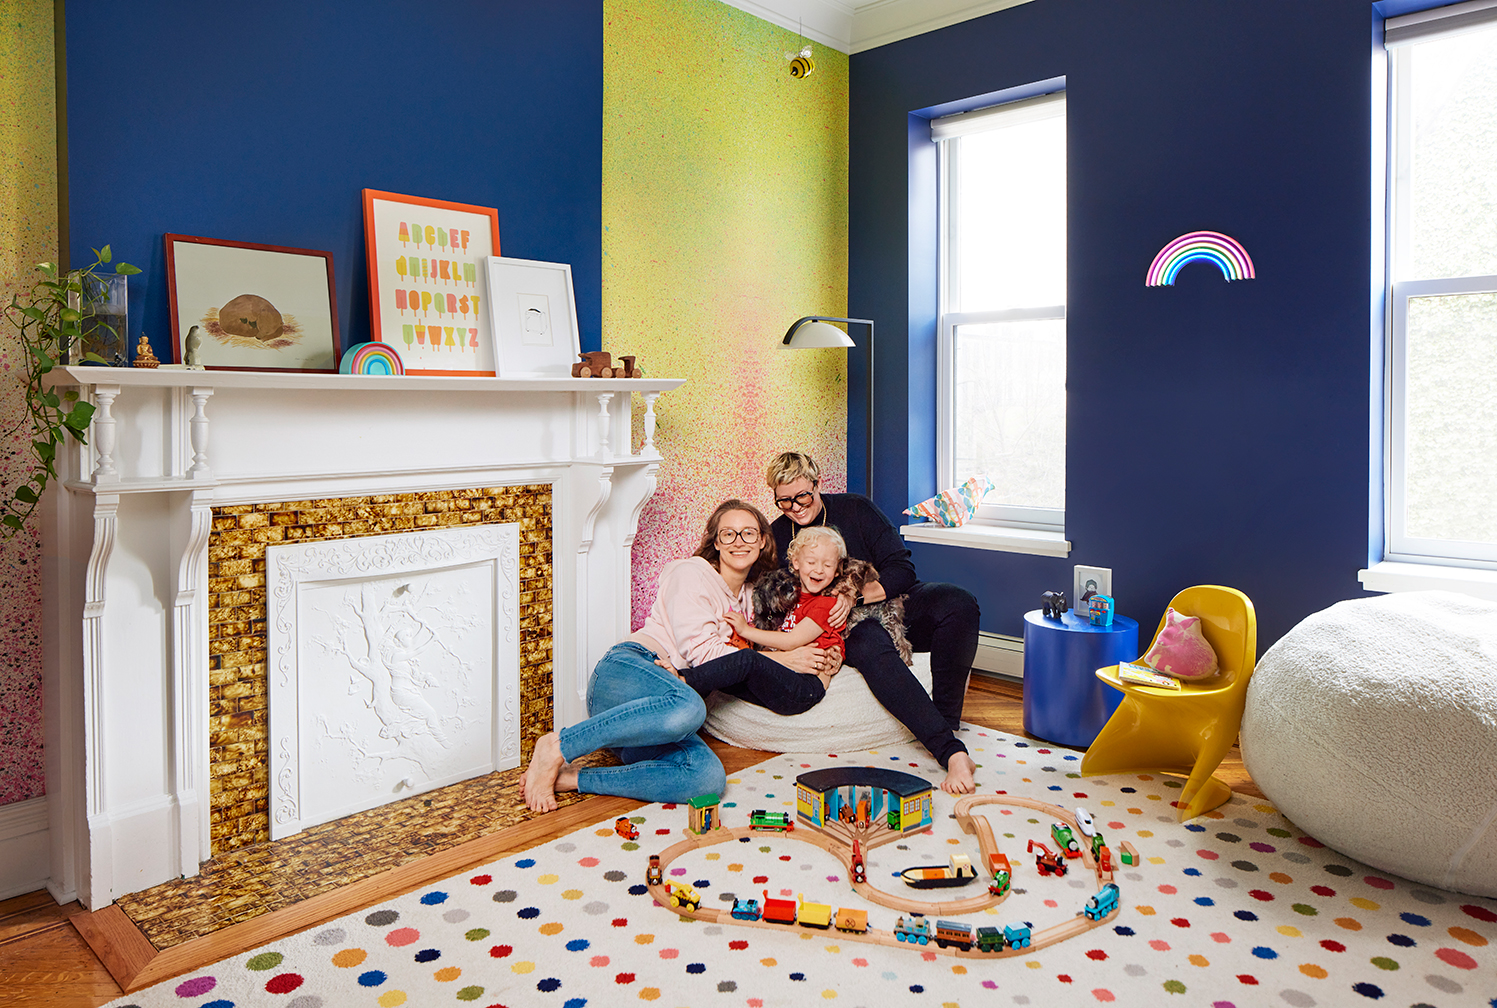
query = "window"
{"x": 1441, "y": 430}
{"x": 1002, "y": 341}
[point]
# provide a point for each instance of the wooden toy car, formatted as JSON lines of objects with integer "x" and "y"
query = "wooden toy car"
{"x": 626, "y": 829}
{"x": 1065, "y": 839}
{"x": 746, "y": 909}
{"x": 652, "y": 873}
{"x": 813, "y": 915}
{"x": 762, "y": 820}
{"x": 778, "y": 911}
{"x": 954, "y": 933}
{"x": 599, "y": 364}
{"x": 914, "y": 929}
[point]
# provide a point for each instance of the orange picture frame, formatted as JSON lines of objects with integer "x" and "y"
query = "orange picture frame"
{"x": 428, "y": 284}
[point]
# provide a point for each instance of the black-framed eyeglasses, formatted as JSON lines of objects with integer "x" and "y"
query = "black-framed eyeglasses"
{"x": 727, "y": 536}
{"x": 800, "y": 500}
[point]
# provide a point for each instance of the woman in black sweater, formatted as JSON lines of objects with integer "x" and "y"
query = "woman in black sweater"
{"x": 939, "y": 618}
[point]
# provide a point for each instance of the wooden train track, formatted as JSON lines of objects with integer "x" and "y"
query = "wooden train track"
{"x": 835, "y": 845}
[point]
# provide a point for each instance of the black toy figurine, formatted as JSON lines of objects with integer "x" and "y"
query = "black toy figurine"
{"x": 1054, "y": 603}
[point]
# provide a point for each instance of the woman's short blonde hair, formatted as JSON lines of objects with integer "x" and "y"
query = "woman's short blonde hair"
{"x": 815, "y": 535}
{"x": 788, "y": 467}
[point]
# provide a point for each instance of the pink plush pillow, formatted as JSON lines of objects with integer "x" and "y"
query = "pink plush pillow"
{"x": 955, "y": 506}
{"x": 1181, "y": 650}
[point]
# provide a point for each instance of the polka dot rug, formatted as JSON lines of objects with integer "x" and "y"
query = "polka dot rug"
{"x": 1234, "y": 909}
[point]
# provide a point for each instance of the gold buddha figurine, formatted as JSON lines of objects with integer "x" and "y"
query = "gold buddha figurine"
{"x": 144, "y": 358}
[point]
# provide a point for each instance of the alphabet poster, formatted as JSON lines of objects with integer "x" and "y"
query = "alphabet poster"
{"x": 428, "y": 283}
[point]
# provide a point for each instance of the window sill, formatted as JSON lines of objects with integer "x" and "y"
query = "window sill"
{"x": 990, "y": 537}
{"x": 1390, "y": 576}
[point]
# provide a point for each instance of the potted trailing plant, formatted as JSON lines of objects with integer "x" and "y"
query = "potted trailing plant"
{"x": 49, "y": 322}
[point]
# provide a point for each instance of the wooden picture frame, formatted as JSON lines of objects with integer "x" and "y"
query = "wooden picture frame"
{"x": 428, "y": 281}
{"x": 533, "y": 311}
{"x": 282, "y": 300}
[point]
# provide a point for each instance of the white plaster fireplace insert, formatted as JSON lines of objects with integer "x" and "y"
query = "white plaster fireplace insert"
{"x": 126, "y": 620}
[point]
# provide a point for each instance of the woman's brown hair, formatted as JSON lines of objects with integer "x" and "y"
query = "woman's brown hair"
{"x": 768, "y": 556}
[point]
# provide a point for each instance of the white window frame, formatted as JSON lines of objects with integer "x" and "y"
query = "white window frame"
{"x": 1411, "y": 563}
{"x": 1043, "y": 525}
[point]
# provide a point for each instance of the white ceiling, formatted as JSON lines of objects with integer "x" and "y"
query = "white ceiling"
{"x": 852, "y": 26}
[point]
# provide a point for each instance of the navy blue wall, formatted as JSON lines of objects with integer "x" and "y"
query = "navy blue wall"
{"x": 262, "y": 122}
{"x": 1217, "y": 433}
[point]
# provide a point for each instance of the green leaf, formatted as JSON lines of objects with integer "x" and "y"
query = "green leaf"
{"x": 45, "y": 450}
{"x": 103, "y": 254}
{"x": 127, "y": 269}
{"x": 11, "y": 521}
{"x": 78, "y": 417}
{"x": 32, "y": 312}
{"x": 97, "y": 359}
{"x": 26, "y": 495}
{"x": 50, "y": 400}
{"x": 71, "y": 315}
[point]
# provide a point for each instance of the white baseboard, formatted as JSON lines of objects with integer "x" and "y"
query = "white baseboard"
{"x": 24, "y": 856}
{"x": 1000, "y": 655}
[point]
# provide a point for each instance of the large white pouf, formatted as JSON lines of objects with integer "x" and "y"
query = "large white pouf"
{"x": 1373, "y": 727}
{"x": 849, "y": 719}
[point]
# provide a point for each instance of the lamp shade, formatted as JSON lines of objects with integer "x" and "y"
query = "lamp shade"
{"x": 816, "y": 334}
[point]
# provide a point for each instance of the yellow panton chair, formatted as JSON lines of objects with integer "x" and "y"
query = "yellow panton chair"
{"x": 1185, "y": 732}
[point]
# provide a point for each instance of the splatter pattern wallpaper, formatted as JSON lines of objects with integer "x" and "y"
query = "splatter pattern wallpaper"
{"x": 724, "y": 220}
{"x": 28, "y": 235}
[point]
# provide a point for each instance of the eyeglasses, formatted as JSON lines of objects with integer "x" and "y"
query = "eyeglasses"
{"x": 727, "y": 536}
{"x": 800, "y": 500}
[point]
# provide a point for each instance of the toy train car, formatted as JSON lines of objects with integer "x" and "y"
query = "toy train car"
{"x": 859, "y": 872}
{"x": 954, "y": 933}
{"x": 778, "y": 911}
{"x": 1085, "y": 822}
{"x": 1097, "y": 844}
{"x": 1018, "y": 935}
{"x": 1045, "y": 862}
{"x": 914, "y": 929}
{"x": 746, "y": 909}
{"x": 853, "y": 921}
{"x": 762, "y": 820}
{"x": 1003, "y": 873}
{"x": 1065, "y": 840}
{"x": 1103, "y": 903}
{"x": 989, "y": 939}
{"x": 683, "y": 895}
{"x": 626, "y": 829}
{"x": 652, "y": 873}
{"x": 813, "y": 915}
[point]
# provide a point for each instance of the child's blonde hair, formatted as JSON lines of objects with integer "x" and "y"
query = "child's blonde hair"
{"x": 813, "y": 536}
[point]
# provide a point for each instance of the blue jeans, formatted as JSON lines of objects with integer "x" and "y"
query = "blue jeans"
{"x": 649, "y": 718}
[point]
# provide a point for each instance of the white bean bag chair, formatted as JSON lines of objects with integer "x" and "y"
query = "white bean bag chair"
{"x": 1373, "y": 727}
{"x": 848, "y": 720}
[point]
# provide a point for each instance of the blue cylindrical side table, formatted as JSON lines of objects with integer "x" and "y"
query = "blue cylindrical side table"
{"x": 1064, "y": 701}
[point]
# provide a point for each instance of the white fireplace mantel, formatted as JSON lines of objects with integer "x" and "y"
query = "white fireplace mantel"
{"x": 126, "y": 600}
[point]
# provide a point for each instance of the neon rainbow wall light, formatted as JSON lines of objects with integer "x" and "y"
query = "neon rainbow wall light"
{"x": 1210, "y": 246}
{"x": 372, "y": 359}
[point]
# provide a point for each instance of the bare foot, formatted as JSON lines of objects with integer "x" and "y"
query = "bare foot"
{"x": 540, "y": 780}
{"x": 959, "y": 775}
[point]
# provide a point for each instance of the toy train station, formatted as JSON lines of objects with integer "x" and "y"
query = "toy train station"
{"x": 863, "y": 795}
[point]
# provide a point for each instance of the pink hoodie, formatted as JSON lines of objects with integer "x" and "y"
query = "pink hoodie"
{"x": 687, "y": 619}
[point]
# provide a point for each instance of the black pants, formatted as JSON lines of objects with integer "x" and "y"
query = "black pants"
{"x": 758, "y": 679}
{"x": 941, "y": 619}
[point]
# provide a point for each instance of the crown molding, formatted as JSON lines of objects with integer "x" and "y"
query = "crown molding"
{"x": 851, "y": 26}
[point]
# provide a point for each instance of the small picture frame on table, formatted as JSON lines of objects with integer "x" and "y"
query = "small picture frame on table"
{"x": 533, "y": 311}
{"x": 428, "y": 285}
{"x": 256, "y": 307}
{"x": 1091, "y": 581}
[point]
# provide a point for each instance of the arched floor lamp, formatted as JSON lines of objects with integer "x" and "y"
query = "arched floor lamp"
{"x": 813, "y": 332}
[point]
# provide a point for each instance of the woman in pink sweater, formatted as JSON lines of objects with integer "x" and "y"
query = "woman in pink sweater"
{"x": 644, "y": 711}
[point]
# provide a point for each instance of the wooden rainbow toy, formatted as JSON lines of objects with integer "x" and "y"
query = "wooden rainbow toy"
{"x": 371, "y": 359}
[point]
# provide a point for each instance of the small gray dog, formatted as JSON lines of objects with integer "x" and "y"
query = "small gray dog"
{"x": 776, "y": 593}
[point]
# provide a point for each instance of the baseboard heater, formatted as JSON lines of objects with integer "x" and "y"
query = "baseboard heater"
{"x": 999, "y": 655}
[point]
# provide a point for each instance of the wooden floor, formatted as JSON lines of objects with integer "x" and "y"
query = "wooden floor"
{"x": 44, "y": 960}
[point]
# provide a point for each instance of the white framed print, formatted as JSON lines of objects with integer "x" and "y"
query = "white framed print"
{"x": 1091, "y": 581}
{"x": 533, "y": 313}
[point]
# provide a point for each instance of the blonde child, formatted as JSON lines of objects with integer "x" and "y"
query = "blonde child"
{"x": 815, "y": 556}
